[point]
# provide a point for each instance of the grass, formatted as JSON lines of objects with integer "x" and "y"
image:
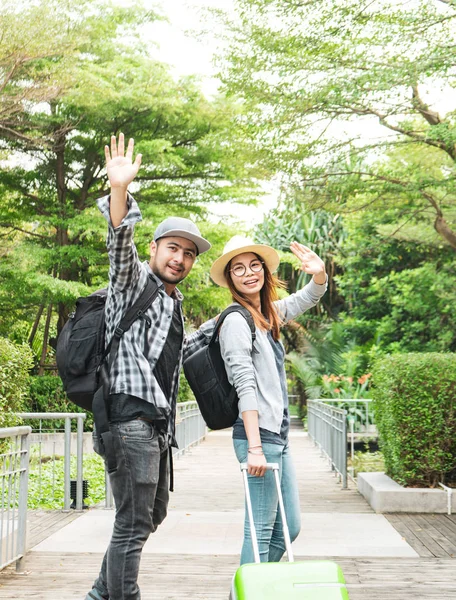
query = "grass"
{"x": 46, "y": 481}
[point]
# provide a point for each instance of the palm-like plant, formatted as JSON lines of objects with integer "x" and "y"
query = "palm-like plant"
{"x": 320, "y": 230}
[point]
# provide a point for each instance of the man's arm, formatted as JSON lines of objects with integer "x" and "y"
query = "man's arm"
{"x": 199, "y": 338}
{"x": 121, "y": 172}
{"x": 122, "y": 213}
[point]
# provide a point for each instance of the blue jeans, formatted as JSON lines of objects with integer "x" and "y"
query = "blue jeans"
{"x": 265, "y": 504}
{"x": 140, "y": 491}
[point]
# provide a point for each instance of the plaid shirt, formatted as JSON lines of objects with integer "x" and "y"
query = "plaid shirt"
{"x": 140, "y": 347}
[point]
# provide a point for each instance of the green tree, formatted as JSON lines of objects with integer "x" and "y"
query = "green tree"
{"x": 335, "y": 89}
{"x": 399, "y": 293}
{"x": 105, "y": 82}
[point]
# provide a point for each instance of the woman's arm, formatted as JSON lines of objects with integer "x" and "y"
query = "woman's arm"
{"x": 256, "y": 460}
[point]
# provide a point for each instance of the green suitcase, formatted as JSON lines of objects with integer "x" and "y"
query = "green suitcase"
{"x": 307, "y": 580}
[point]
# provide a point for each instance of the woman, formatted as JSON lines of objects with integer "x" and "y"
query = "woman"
{"x": 260, "y": 435}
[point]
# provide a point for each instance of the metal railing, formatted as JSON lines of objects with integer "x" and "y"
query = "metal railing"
{"x": 190, "y": 430}
{"x": 14, "y": 456}
{"x": 44, "y": 438}
{"x": 190, "y": 427}
{"x": 361, "y": 405}
{"x": 327, "y": 426}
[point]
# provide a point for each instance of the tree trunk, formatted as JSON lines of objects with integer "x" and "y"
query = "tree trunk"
{"x": 45, "y": 340}
{"x": 441, "y": 226}
{"x": 35, "y": 325}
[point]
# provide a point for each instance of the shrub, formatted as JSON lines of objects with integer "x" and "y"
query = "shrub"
{"x": 47, "y": 395}
{"x": 415, "y": 402}
{"x": 15, "y": 364}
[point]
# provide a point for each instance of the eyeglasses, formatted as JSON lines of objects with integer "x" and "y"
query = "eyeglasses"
{"x": 240, "y": 270}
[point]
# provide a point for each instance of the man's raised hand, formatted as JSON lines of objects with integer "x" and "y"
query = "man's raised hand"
{"x": 121, "y": 169}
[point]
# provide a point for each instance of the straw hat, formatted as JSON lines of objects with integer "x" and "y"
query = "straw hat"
{"x": 238, "y": 245}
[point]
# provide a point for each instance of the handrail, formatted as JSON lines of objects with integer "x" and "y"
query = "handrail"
{"x": 80, "y": 417}
{"x": 327, "y": 426}
{"x": 365, "y": 401}
{"x": 190, "y": 430}
{"x": 14, "y": 477}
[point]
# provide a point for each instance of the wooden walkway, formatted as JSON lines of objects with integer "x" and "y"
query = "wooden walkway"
{"x": 432, "y": 575}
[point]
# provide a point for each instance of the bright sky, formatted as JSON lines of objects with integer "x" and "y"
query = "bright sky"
{"x": 192, "y": 55}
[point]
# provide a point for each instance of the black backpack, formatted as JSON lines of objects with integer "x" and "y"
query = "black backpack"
{"x": 82, "y": 357}
{"x": 206, "y": 375}
{"x": 81, "y": 348}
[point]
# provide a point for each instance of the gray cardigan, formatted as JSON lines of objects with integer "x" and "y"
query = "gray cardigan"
{"x": 253, "y": 372}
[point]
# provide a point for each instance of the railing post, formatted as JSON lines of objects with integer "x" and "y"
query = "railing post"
{"x": 79, "y": 463}
{"x": 14, "y": 487}
{"x": 327, "y": 426}
{"x": 344, "y": 453}
{"x": 23, "y": 493}
{"x": 67, "y": 465}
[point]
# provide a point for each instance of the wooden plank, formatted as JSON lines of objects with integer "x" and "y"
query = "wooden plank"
{"x": 193, "y": 577}
{"x": 409, "y": 536}
{"x": 429, "y": 524}
{"x": 424, "y": 536}
{"x": 43, "y": 523}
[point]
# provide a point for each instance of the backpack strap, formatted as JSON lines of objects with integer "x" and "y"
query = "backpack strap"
{"x": 100, "y": 399}
{"x": 231, "y": 309}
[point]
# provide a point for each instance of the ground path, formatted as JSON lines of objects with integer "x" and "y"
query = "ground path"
{"x": 195, "y": 552}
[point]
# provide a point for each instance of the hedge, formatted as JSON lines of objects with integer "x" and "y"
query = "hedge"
{"x": 415, "y": 406}
{"x": 15, "y": 364}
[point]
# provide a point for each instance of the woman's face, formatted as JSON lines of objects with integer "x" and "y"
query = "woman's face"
{"x": 247, "y": 273}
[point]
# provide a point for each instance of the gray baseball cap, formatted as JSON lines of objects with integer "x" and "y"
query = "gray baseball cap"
{"x": 180, "y": 227}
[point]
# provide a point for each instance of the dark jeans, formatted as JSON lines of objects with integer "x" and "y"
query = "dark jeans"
{"x": 140, "y": 490}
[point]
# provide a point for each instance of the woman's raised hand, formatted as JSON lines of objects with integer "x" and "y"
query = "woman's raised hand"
{"x": 121, "y": 169}
{"x": 311, "y": 263}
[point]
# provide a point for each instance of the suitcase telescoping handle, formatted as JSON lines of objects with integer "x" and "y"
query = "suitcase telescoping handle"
{"x": 274, "y": 467}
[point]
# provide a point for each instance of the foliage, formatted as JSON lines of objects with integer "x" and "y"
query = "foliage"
{"x": 203, "y": 299}
{"x": 47, "y": 395}
{"x": 398, "y": 293}
{"x": 185, "y": 393}
{"x": 46, "y": 481}
{"x": 321, "y": 231}
{"x": 340, "y": 99}
{"x": 15, "y": 364}
{"x": 104, "y": 82}
{"x": 340, "y": 386}
{"x": 366, "y": 462}
{"x": 415, "y": 408}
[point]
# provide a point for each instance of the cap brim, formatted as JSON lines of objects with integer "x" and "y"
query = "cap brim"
{"x": 268, "y": 254}
{"x": 202, "y": 244}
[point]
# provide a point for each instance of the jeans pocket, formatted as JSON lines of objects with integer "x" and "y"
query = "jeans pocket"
{"x": 137, "y": 430}
{"x": 240, "y": 449}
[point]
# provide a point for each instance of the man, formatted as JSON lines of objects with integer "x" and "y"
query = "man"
{"x": 143, "y": 381}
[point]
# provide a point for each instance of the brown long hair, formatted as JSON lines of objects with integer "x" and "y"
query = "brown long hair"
{"x": 268, "y": 319}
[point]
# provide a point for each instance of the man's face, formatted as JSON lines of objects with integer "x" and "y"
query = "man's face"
{"x": 171, "y": 258}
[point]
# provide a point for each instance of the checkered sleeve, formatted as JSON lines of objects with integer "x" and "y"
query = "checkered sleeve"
{"x": 199, "y": 338}
{"x": 124, "y": 264}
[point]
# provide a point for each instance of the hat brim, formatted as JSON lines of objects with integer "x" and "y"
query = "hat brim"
{"x": 269, "y": 255}
{"x": 201, "y": 244}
